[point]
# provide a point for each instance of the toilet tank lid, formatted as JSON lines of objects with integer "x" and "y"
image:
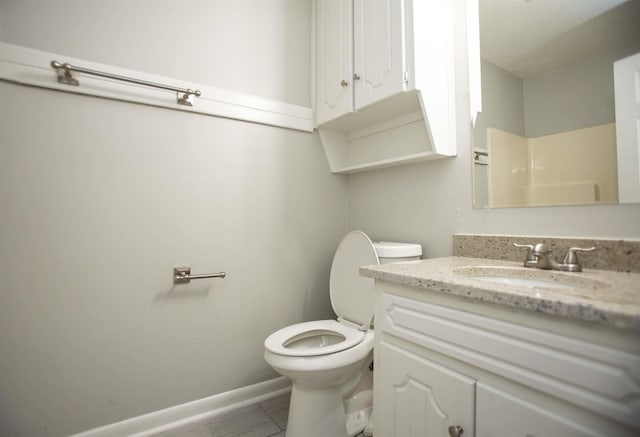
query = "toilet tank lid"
{"x": 389, "y": 249}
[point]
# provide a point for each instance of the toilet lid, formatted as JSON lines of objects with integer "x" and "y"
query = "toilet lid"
{"x": 352, "y": 294}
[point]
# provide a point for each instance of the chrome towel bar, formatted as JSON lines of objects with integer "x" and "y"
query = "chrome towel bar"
{"x": 65, "y": 75}
{"x": 182, "y": 275}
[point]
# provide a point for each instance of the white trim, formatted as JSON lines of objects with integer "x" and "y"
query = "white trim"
{"x": 190, "y": 412}
{"x": 31, "y": 67}
{"x": 473, "y": 53}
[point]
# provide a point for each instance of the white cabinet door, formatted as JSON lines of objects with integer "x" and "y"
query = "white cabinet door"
{"x": 378, "y": 50}
{"x": 500, "y": 414}
{"x": 417, "y": 397}
{"x": 334, "y": 45}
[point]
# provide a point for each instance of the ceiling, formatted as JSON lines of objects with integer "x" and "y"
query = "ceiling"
{"x": 527, "y": 37}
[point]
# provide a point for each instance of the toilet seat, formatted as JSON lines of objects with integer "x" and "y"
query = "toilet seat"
{"x": 306, "y": 339}
{"x": 351, "y": 298}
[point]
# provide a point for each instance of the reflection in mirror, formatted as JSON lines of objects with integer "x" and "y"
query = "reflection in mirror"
{"x": 552, "y": 111}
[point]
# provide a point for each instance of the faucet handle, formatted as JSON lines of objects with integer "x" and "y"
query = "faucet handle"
{"x": 529, "y": 250}
{"x": 572, "y": 257}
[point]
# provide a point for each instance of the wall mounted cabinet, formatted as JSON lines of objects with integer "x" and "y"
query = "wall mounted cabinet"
{"x": 385, "y": 80}
{"x": 359, "y": 55}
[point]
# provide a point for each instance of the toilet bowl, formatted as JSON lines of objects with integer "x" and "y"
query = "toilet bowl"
{"x": 326, "y": 360}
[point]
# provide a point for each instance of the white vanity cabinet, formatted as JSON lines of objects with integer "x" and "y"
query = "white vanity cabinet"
{"x": 385, "y": 80}
{"x": 443, "y": 362}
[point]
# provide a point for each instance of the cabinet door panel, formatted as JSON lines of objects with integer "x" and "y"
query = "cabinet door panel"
{"x": 500, "y": 414}
{"x": 417, "y": 397}
{"x": 379, "y": 58}
{"x": 335, "y": 59}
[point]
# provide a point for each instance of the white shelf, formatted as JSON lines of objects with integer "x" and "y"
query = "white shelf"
{"x": 401, "y": 160}
{"x": 389, "y": 133}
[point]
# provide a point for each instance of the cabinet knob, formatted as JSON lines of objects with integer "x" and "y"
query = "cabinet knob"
{"x": 455, "y": 431}
{"x": 356, "y": 76}
{"x": 344, "y": 83}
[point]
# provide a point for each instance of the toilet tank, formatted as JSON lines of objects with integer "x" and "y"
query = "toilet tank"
{"x": 389, "y": 252}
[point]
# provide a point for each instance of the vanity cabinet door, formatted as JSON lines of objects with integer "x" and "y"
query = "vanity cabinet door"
{"x": 501, "y": 414}
{"x": 378, "y": 63}
{"x": 415, "y": 396}
{"x": 334, "y": 45}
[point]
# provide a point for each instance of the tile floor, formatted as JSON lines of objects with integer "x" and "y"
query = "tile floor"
{"x": 264, "y": 419}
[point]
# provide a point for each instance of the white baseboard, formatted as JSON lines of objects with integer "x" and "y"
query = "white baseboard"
{"x": 190, "y": 412}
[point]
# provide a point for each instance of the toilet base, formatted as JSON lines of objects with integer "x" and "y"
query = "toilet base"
{"x": 322, "y": 413}
{"x": 316, "y": 413}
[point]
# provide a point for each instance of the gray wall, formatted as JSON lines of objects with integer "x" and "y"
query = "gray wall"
{"x": 252, "y": 46}
{"x": 100, "y": 199}
{"x": 574, "y": 97}
{"x": 502, "y": 104}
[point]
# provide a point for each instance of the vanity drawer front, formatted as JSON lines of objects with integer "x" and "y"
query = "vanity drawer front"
{"x": 598, "y": 378}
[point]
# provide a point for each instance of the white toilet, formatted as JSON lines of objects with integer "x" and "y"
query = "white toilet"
{"x": 327, "y": 359}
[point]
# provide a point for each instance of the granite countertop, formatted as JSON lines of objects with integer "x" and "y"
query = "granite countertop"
{"x": 607, "y": 297}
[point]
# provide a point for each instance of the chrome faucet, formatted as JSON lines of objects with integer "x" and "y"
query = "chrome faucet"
{"x": 538, "y": 256}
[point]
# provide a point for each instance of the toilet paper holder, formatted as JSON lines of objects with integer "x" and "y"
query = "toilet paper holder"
{"x": 182, "y": 275}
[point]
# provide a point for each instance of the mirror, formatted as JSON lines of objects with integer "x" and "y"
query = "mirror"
{"x": 556, "y": 128}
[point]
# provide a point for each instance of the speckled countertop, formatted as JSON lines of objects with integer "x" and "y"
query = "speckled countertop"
{"x": 607, "y": 297}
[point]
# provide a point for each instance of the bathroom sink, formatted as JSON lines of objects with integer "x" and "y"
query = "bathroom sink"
{"x": 522, "y": 282}
{"x": 530, "y": 278}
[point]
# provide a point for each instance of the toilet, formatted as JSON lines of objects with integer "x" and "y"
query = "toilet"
{"x": 328, "y": 360}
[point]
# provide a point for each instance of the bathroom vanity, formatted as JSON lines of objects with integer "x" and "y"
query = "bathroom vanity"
{"x": 480, "y": 347}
